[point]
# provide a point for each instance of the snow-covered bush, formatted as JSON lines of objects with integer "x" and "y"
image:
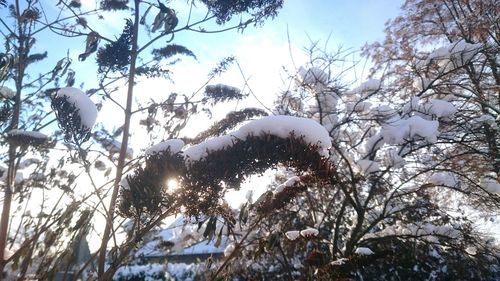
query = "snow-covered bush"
{"x": 149, "y": 272}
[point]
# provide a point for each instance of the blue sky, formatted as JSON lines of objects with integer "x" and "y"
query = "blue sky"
{"x": 347, "y": 23}
{"x": 350, "y": 23}
{"x": 263, "y": 52}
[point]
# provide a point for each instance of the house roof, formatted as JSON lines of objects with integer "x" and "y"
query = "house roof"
{"x": 182, "y": 238}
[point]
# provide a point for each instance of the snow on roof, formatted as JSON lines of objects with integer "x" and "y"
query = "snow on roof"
{"x": 181, "y": 233}
{"x": 86, "y": 108}
{"x": 281, "y": 126}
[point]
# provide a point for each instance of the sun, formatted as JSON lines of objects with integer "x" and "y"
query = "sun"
{"x": 172, "y": 184}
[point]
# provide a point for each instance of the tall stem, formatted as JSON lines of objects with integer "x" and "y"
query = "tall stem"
{"x": 124, "y": 145}
{"x": 11, "y": 172}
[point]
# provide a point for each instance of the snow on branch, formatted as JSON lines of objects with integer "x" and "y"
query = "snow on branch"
{"x": 397, "y": 131}
{"x": 312, "y": 76}
{"x": 23, "y": 138}
{"x": 173, "y": 145}
{"x": 368, "y": 87}
{"x": 455, "y": 54}
{"x": 205, "y": 170}
{"x": 75, "y": 112}
{"x": 280, "y": 126}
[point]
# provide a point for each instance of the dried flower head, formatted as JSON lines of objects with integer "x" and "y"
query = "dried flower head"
{"x": 27, "y": 138}
{"x": 116, "y": 56}
{"x": 113, "y": 5}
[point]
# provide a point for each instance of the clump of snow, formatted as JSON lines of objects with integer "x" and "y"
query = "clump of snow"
{"x": 435, "y": 107}
{"x": 340, "y": 261}
{"x": 28, "y": 162}
{"x": 329, "y": 121}
{"x": 412, "y": 105}
{"x": 425, "y": 230}
{"x": 6, "y": 92}
{"x": 326, "y": 100}
{"x": 367, "y": 166}
{"x": 174, "y": 145}
{"x": 32, "y": 134}
{"x": 114, "y": 146}
{"x": 281, "y": 126}
{"x": 393, "y": 159}
{"x": 311, "y": 76}
{"x": 309, "y": 232}
{"x": 367, "y": 87}
{"x": 182, "y": 271}
{"x": 229, "y": 249}
{"x": 483, "y": 120}
{"x": 444, "y": 178}
{"x": 3, "y": 175}
{"x": 8, "y": 253}
{"x": 201, "y": 150}
{"x": 374, "y": 142}
{"x": 358, "y": 106}
{"x": 458, "y": 53}
{"x": 363, "y": 251}
{"x": 147, "y": 272}
{"x": 384, "y": 112}
{"x": 490, "y": 184}
{"x": 289, "y": 182}
{"x": 441, "y": 108}
{"x": 471, "y": 250}
{"x": 292, "y": 235}
{"x": 124, "y": 183}
{"x": 86, "y": 108}
{"x": 395, "y": 132}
